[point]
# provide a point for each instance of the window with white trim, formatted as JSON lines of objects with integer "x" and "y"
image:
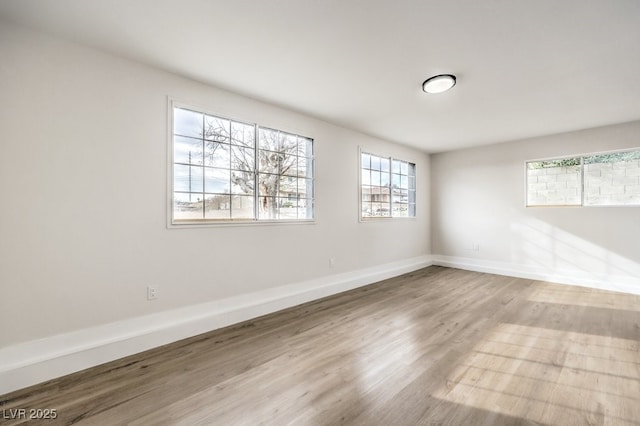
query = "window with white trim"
{"x": 387, "y": 187}
{"x": 226, "y": 170}
{"x": 600, "y": 179}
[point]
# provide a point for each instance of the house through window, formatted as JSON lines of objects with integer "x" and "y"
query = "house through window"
{"x": 387, "y": 187}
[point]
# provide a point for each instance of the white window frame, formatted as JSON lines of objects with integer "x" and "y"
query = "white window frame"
{"x": 255, "y": 220}
{"x": 581, "y": 185}
{"x": 391, "y": 159}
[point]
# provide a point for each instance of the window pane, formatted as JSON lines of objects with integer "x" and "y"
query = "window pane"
{"x": 304, "y": 167}
{"x": 305, "y": 147}
{"x": 384, "y": 179}
{"x": 366, "y": 193}
{"x": 384, "y": 164}
{"x": 243, "y": 134}
{"x": 412, "y": 182}
{"x": 217, "y": 207}
{"x": 268, "y": 139}
{"x": 375, "y": 163}
{"x": 187, "y": 178}
{"x": 404, "y": 182}
{"x": 267, "y": 184}
{"x": 287, "y": 209}
{"x": 216, "y": 129}
{"x": 187, "y": 123}
{"x": 376, "y": 193}
{"x": 305, "y": 188}
{"x": 379, "y": 209}
{"x": 187, "y": 150}
{"x": 612, "y": 179}
{"x": 367, "y": 209}
{"x": 375, "y": 178}
{"x": 366, "y": 161}
{"x": 288, "y": 185}
{"x": 554, "y": 182}
{"x": 242, "y": 182}
{"x": 289, "y": 165}
{"x": 242, "y": 207}
{"x": 288, "y": 144}
{"x": 242, "y": 158}
{"x": 395, "y": 166}
{"x": 268, "y": 208}
{"x": 395, "y": 181}
{"x": 187, "y": 206}
{"x": 400, "y": 210}
{"x": 217, "y": 181}
{"x": 216, "y": 154}
{"x": 305, "y": 208}
{"x": 383, "y": 194}
{"x": 270, "y": 161}
{"x": 404, "y": 168}
{"x": 366, "y": 177}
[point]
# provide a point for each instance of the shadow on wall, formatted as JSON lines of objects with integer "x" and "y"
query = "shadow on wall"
{"x": 548, "y": 248}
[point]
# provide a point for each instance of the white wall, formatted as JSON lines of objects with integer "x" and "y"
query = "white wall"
{"x": 478, "y": 198}
{"x": 83, "y": 169}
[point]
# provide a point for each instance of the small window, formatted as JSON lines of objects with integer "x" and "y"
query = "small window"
{"x": 554, "y": 182}
{"x": 387, "y": 187}
{"x": 226, "y": 170}
{"x": 612, "y": 179}
{"x": 603, "y": 179}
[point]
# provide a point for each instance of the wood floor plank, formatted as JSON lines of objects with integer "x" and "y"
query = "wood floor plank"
{"x": 435, "y": 346}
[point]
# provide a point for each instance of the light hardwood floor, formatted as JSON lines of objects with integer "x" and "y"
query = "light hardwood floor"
{"x": 436, "y": 346}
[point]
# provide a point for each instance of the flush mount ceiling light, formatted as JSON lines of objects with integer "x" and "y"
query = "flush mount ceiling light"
{"x": 439, "y": 83}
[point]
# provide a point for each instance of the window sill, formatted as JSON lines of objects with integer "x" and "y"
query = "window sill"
{"x": 186, "y": 224}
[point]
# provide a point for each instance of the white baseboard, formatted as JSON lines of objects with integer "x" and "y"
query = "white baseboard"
{"x": 625, "y": 284}
{"x": 40, "y": 360}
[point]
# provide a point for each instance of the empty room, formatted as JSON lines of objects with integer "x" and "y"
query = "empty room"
{"x": 239, "y": 212}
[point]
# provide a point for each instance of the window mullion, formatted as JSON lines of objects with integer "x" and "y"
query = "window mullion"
{"x": 389, "y": 187}
{"x": 582, "y": 181}
{"x": 204, "y": 146}
{"x": 256, "y": 158}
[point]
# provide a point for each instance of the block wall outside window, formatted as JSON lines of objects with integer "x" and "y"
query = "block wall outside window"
{"x": 604, "y": 179}
{"x": 554, "y": 183}
{"x": 612, "y": 180}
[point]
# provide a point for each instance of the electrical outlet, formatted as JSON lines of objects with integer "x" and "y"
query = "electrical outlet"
{"x": 332, "y": 262}
{"x": 152, "y": 293}
{"x": 476, "y": 247}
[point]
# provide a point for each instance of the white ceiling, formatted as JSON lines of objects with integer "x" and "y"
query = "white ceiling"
{"x": 525, "y": 68}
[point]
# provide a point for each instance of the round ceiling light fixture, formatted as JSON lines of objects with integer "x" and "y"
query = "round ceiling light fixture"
{"x": 439, "y": 83}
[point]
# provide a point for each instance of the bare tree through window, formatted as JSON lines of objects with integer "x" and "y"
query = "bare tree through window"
{"x": 224, "y": 169}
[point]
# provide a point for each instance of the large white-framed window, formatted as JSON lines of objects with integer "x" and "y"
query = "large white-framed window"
{"x": 387, "y": 187}
{"x": 229, "y": 171}
{"x": 597, "y": 179}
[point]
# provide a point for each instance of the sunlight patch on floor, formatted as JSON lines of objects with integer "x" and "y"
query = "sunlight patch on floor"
{"x": 580, "y": 296}
{"x": 550, "y": 376}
